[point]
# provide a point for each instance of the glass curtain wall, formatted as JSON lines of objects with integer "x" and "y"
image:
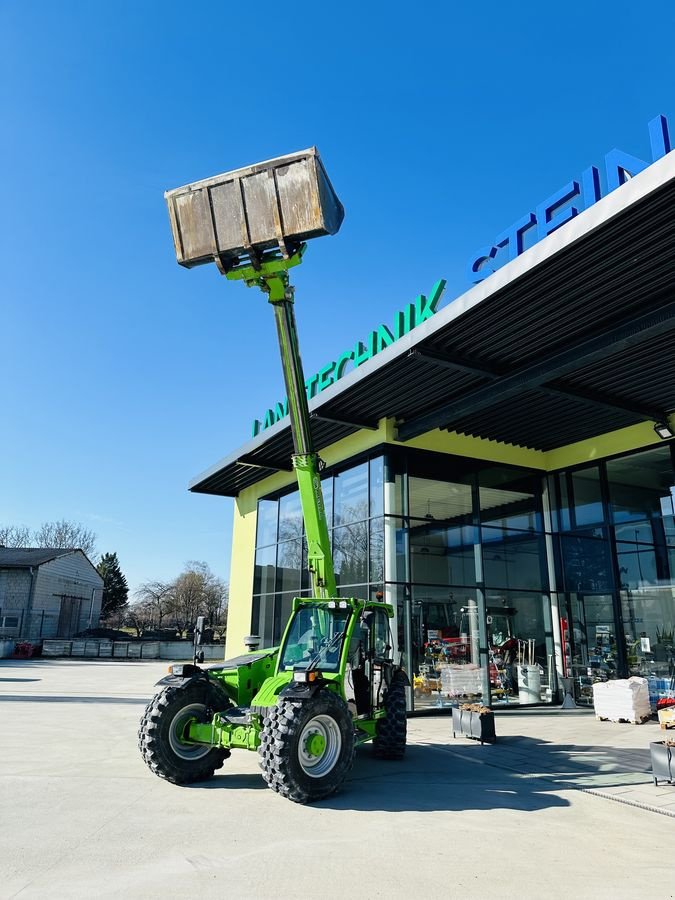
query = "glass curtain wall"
{"x": 467, "y": 571}
{"x": 455, "y": 545}
{"x": 458, "y": 547}
{"x": 354, "y": 508}
{"x": 616, "y": 560}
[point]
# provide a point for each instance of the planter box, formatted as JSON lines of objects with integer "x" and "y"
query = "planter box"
{"x": 474, "y": 725}
{"x": 662, "y": 761}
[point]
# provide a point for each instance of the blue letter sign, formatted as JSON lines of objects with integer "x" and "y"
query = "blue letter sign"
{"x": 566, "y": 203}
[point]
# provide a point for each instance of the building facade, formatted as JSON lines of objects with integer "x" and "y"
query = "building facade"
{"x": 47, "y": 593}
{"x": 502, "y": 475}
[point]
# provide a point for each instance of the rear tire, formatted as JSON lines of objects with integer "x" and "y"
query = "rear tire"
{"x": 391, "y": 732}
{"x": 160, "y": 735}
{"x": 307, "y": 747}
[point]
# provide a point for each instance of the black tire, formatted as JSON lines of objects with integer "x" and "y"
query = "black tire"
{"x": 289, "y": 761}
{"x": 391, "y": 732}
{"x": 160, "y": 732}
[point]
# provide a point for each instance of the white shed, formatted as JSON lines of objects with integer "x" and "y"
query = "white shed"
{"x": 47, "y": 593}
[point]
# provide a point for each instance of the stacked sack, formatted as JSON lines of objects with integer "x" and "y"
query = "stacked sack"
{"x": 624, "y": 699}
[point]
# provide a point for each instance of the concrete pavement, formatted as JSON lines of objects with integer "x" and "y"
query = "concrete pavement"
{"x": 573, "y": 749}
{"x": 82, "y": 816}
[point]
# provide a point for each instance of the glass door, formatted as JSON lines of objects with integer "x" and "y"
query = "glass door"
{"x": 445, "y": 658}
{"x": 593, "y": 644}
{"x": 520, "y": 647}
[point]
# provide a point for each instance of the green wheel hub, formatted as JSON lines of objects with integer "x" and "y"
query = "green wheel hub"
{"x": 319, "y": 746}
{"x": 316, "y": 744}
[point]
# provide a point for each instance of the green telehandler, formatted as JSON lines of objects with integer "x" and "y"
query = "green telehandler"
{"x": 332, "y": 683}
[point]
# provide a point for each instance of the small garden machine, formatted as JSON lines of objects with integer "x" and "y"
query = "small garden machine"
{"x": 332, "y": 683}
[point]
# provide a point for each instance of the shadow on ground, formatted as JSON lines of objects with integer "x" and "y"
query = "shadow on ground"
{"x": 235, "y": 782}
{"x": 20, "y": 679}
{"x": 556, "y": 760}
{"x": 518, "y": 772}
{"x": 425, "y": 781}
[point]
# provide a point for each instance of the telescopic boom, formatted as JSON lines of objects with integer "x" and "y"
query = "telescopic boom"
{"x": 253, "y": 223}
{"x": 272, "y": 278}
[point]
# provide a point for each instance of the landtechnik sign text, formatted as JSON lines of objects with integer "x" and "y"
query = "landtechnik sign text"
{"x": 405, "y": 320}
{"x": 567, "y": 202}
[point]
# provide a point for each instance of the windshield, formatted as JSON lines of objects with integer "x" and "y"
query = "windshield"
{"x": 315, "y": 638}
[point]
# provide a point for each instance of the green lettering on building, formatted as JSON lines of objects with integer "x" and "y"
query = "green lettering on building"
{"x": 362, "y": 353}
{"x": 342, "y": 360}
{"x": 384, "y": 338}
{"x": 325, "y": 377}
{"x": 405, "y": 320}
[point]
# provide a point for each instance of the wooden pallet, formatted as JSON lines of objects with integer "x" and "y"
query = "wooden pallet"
{"x": 640, "y": 721}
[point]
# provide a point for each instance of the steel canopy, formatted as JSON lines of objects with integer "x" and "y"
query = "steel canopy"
{"x": 570, "y": 340}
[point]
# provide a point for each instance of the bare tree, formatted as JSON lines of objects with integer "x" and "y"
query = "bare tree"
{"x": 138, "y": 617}
{"x": 197, "y": 591}
{"x": 14, "y": 536}
{"x": 117, "y": 619}
{"x": 216, "y": 596}
{"x": 350, "y": 552}
{"x": 157, "y": 598}
{"x": 187, "y": 597}
{"x": 64, "y": 534}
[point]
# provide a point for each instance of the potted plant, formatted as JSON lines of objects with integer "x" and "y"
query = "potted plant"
{"x": 662, "y": 760}
{"x": 475, "y": 721}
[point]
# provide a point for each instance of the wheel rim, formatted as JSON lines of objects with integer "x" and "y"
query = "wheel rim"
{"x": 319, "y": 746}
{"x": 177, "y": 730}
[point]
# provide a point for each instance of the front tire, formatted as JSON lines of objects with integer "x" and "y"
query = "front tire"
{"x": 160, "y": 735}
{"x": 392, "y": 731}
{"x": 307, "y": 747}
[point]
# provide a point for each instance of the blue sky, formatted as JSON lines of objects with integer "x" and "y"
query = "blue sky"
{"x": 124, "y": 375}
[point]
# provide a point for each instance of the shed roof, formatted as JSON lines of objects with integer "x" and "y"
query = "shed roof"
{"x": 24, "y": 558}
{"x": 572, "y": 339}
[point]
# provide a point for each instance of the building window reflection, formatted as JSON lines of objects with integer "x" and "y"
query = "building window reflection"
{"x": 618, "y": 575}
{"x": 353, "y": 498}
{"x": 458, "y": 546}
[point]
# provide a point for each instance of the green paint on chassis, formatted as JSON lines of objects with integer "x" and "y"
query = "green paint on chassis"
{"x": 332, "y": 683}
{"x": 304, "y": 706}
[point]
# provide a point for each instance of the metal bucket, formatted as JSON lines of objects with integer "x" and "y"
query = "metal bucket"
{"x": 240, "y": 214}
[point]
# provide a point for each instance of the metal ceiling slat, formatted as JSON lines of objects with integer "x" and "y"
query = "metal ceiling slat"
{"x": 627, "y": 334}
{"x": 500, "y": 340}
{"x": 587, "y": 265}
{"x": 622, "y": 269}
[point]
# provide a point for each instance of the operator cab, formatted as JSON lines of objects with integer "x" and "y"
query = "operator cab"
{"x": 315, "y": 637}
{"x": 337, "y": 638}
{"x": 369, "y": 648}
